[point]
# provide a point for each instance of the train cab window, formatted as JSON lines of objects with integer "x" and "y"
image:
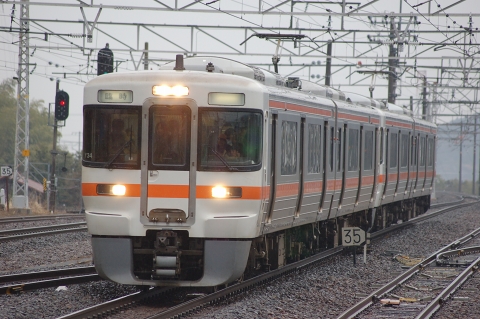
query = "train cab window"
{"x": 229, "y": 139}
{"x": 430, "y": 152}
{"x": 368, "y": 157}
{"x": 404, "y": 150}
{"x": 393, "y": 150}
{"x": 111, "y": 137}
{"x": 169, "y": 138}
{"x": 352, "y": 150}
{"x": 421, "y": 151}
{"x": 314, "y": 147}
{"x": 288, "y": 158}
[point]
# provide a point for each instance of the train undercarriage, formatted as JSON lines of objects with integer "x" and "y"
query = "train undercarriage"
{"x": 278, "y": 249}
{"x": 169, "y": 255}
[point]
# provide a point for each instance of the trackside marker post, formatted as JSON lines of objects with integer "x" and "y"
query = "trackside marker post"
{"x": 354, "y": 236}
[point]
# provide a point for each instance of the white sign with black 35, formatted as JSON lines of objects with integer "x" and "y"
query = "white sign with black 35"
{"x": 353, "y": 236}
{"x": 6, "y": 170}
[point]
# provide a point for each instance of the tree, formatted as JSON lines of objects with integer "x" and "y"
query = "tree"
{"x": 40, "y": 141}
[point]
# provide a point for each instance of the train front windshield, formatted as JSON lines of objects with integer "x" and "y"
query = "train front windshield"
{"x": 111, "y": 137}
{"x": 229, "y": 140}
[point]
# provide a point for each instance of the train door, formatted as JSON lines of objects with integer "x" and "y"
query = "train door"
{"x": 285, "y": 184}
{"x": 312, "y": 172}
{"x": 351, "y": 166}
{"x": 403, "y": 165}
{"x": 379, "y": 180}
{"x": 168, "y": 176}
{"x": 332, "y": 178}
{"x": 430, "y": 163}
{"x": 367, "y": 176}
{"x": 414, "y": 164}
{"x": 422, "y": 169}
{"x": 391, "y": 169}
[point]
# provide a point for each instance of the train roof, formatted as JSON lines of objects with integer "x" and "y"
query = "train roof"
{"x": 269, "y": 78}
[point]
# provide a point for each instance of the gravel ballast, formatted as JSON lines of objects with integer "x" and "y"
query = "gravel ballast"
{"x": 323, "y": 291}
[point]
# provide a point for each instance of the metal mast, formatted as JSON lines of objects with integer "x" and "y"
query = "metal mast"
{"x": 20, "y": 174}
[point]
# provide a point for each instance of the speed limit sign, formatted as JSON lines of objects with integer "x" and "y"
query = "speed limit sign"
{"x": 6, "y": 171}
{"x": 353, "y": 236}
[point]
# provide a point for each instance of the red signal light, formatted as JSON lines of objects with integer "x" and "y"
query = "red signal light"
{"x": 62, "y": 102}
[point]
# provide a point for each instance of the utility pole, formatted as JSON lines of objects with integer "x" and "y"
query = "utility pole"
{"x": 474, "y": 153}
{"x": 145, "y": 60}
{"x": 22, "y": 144}
{"x": 424, "y": 99}
{"x": 53, "y": 186}
{"x": 328, "y": 69}
{"x": 460, "y": 169}
{"x": 392, "y": 65}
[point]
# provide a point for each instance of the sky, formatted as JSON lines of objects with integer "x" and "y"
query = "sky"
{"x": 59, "y": 56}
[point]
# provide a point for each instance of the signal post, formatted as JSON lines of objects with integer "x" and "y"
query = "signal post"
{"x": 61, "y": 114}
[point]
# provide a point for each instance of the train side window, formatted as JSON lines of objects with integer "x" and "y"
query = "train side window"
{"x": 352, "y": 150}
{"x": 393, "y": 150}
{"x": 430, "y": 146}
{"x": 314, "y": 147}
{"x": 289, "y": 148}
{"x": 404, "y": 151}
{"x": 421, "y": 149}
{"x": 368, "y": 157}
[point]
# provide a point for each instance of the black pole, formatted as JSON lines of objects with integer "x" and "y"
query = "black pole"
{"x": 328, "y": 69}
{"x": 461, "y": 149}
{"x": 392, "y": 68}
{"x": 474, "y": 154}
{"x": 424, "y": 99}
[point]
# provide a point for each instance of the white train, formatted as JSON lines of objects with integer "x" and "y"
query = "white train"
{"x": 209, "y": 169}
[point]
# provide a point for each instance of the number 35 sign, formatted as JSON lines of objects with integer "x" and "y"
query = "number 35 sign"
{"x": 6, "y": 171}
{"x": 353, "y": 236}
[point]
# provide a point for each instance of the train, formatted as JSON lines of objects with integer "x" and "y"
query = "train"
{"x": 208, "y": 171}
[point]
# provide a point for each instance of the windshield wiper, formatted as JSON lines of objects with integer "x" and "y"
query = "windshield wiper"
{"x": 120, "y": 150}
{"x": 220, "y": 157}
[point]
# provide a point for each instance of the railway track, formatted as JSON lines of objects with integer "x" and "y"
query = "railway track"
{"x": 46, "y": 279}
{"x": 201, "y": 301}
{"x": 424, "y": 279}
{"x": 20, "y": 233}
{"x": 22, "y": 219}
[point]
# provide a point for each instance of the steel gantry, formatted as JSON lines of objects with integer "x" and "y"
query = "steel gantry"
{"x": 22, "y": 148}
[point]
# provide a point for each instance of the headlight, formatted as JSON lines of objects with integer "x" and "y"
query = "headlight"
{"x": 118, "y": 190}
{"x": 109, "y": 189}
{"x": 226, "y": 192}
{"x": 165, "y": 90}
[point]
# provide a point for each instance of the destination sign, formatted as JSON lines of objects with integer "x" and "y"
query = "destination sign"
{"x": 115, "y": 96}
